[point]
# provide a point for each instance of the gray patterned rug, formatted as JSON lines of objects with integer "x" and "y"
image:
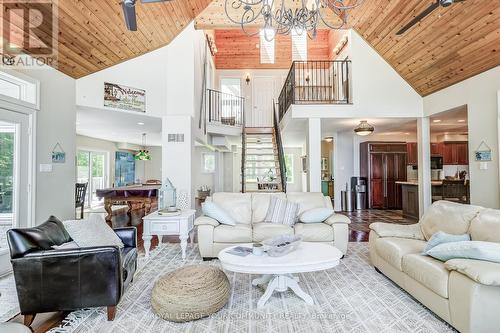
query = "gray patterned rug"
{"x": 351, "y": 297}
{"x": 9, "y": 306}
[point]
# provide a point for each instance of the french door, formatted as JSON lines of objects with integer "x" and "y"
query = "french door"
{"x": 92, "y": 169}
{"x": 15, "y": 198}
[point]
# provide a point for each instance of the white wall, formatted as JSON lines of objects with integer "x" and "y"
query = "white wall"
{"x": 343, "y": 148}
{"x": 55, "y": 191}
{"x": 199, "y": 177}
{"x": 480, "y": 94}
{"x": 296, "y": 186}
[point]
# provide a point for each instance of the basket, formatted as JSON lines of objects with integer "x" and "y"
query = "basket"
{"x": 281, "y": 245}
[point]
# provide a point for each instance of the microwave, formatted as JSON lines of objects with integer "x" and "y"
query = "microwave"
{"x": 436, "y": 163}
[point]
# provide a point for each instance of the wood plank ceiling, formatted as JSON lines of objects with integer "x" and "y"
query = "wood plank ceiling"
{"x": 93, "y": 35}
{"x": 448, "y": 46}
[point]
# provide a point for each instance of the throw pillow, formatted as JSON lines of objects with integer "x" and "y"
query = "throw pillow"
{"x": 487, "y": 251}
{"x": 282, "y": 211}
{"x": 441, "y": 237}
{"x": 92, "y": 232}
{"x": 213, "y": 210}
{"x": 316, "y": 215}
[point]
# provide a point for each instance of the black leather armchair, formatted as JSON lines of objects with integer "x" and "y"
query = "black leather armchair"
{"x": 68, "y": 279}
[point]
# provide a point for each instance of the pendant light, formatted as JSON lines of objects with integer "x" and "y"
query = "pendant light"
{"x": 143, "y": 154}
{"x": 364, "y": 128}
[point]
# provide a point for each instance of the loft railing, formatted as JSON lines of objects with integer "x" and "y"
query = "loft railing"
{"x": 316, "y": 82}
{"x": 281, "y": 153}
{"x": 225, "y": 109}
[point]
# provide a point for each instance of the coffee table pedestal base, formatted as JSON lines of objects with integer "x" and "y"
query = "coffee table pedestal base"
{"x": 280, "y": 283}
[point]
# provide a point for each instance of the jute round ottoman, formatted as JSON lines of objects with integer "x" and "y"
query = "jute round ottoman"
{"x": 190, "y": 293}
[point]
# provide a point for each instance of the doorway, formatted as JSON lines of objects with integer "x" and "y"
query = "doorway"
{"x": 92, "y": 169}
{"x": 262, "y": 96}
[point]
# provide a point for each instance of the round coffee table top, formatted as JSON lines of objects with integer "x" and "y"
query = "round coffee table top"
{"x": 309, "y": 257}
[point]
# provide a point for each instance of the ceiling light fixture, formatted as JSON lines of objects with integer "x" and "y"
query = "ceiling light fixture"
{"x": 436, "y": 121}
{"x": 461, "y": 120}
{"x": 282, "y": 17}
{"x": 364, "y": 128}
{"x": 140, "y": 123}
{"x": 143, "y": 154}
{"x": 328, "y": 138}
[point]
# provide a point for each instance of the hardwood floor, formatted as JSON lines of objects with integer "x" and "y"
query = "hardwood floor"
{"x": 358, "y": 232}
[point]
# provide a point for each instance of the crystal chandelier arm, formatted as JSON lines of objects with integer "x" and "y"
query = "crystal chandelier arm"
{"x": 249, "y": 14}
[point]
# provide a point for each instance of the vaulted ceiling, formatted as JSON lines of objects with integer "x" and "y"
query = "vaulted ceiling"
{"x": 448, "y": 46}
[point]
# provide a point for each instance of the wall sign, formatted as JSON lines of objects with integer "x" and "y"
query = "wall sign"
{"x": 483, "y": 152}
{"x": 125, "y": 98}
{"x": 58, "y": 154}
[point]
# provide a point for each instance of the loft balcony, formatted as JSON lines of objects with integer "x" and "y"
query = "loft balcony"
{"x": 225, "y": 113}
{"x": 316, "y": 82}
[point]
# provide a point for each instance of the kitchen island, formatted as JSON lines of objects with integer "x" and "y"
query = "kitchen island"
{"x": 409, "y": 191}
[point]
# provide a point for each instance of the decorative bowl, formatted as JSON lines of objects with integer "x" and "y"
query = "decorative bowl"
{"x": 281, "y": 245}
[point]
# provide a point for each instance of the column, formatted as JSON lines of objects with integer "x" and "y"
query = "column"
{"x": 314, "y": 155}
{"x": 424, "y": 164}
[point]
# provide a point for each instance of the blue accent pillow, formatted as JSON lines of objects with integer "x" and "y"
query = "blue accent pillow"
{"x": 441, "y": 237}
{"x": 316, "y": 215}
{"x": 212, "y": 210}
{"x": 487, "y": 251}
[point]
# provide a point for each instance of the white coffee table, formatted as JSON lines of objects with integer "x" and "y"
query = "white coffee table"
{"x": 277, "y": 271}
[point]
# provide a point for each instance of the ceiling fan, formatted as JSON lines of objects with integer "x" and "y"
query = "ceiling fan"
{"x": 129, "y": 12}
{"x": 419, "y": 17}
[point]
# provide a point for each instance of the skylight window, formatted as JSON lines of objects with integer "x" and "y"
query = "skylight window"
{"x": 299, "y": 45}
{"x": 267, "y": 46}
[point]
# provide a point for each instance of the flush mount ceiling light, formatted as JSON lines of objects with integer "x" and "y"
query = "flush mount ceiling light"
{"x": 364, "y": 128}
{"x": 283, "y": 16}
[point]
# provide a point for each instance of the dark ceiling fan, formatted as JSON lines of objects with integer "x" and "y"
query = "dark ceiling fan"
{"x": 129, "y": 12}
{"x": 419, "y": 17}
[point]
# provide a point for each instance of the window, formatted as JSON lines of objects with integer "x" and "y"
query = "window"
{"x": 299, "y": 45}
{"x": 208, "y": 162}
{"x": 24, "y": 90}
{"x": 267, "y": 46}
{"x": 231, "y": 86}
{"x": 289, "y": 168}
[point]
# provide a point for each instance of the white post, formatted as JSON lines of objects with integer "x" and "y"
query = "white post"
{"x": 314, "y": 155}
{"x": 424, "y": 164}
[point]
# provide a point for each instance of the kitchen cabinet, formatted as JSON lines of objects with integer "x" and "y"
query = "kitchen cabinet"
{"x": 436, "y": 149}
{"x": 455, "y": 153}
{"x": 412, "y": 153}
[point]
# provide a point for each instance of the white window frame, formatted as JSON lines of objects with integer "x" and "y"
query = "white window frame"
{"x": 301, "y": 38}
{"x": 263, "y": 45}
{"x": 22, "y": 81}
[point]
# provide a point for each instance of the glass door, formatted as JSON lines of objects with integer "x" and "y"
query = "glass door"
{"x": 92, "y": 169}
{"x": 14, "y": 178}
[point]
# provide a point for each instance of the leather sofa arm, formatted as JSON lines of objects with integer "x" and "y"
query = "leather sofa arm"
{"x": 411, "y": 231}
{"x": 128, "y": 235}
{"x": 483, "y": 272}
{"x": 68, "y": 279}
{"x": 205, "y": 220}
{"x": 337, "y": 218}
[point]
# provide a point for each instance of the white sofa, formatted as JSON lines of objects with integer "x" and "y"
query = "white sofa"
{"x": 463, "y": 292}
{"x": 249, "y": 210}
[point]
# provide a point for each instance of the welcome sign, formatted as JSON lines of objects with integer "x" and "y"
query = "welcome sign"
{"x": 124, "y": 98}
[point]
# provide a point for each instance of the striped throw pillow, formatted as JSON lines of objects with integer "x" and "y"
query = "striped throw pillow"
{"x": 281, "y": 211}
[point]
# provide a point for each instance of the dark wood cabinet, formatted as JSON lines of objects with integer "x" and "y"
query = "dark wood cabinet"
{"x": 412, "y": 153}
{"x": 410, "y": 201}
{"x": 455, "y": 153}
{"x": 376, "y": 193}
{"x": 436, "y": 149}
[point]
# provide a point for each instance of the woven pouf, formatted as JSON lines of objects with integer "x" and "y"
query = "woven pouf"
{"x": 190, "y": 293}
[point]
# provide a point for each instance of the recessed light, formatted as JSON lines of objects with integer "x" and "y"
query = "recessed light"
{"x": 461, "y": 120}
{"x": 436, "y": 121}
{"x": 140, "y": 123}
{"x": 407, "y": 133}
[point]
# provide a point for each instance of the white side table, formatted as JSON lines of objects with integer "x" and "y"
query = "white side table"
{"x": 162, "y": 225}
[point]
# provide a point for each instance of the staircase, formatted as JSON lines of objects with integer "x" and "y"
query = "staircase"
{"x": 261, "y": 170}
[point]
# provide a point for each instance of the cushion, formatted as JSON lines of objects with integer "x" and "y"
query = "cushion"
{"x": 397, "y": 230}
{"x": 190, "y": 293}
{"x": 315, "y": 215}
{"x": 239, "y": 233}
{"x": 307, "y": 200}
{"x": 282, "y": 211}
{"x": 467, "y": 250}
{"x": 66, "y": 246}
{"x": 260, "y": 205}
{"x": 314, "y": 232}
{"x": 214, "y": 211}
{"x": 484, "y": 272}
{"x": 237, "y": 205}
{"x": 393, "y": 250}
{"x": 92, "y": 232}
{"x": 428, "y": 271}
{"x": 441, "y": 237}
{"x": 452, "y": 218}
{"x": 486, "y": 226}
{"x": 263, "y": 231}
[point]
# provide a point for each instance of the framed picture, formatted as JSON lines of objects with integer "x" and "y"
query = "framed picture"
{"x": 58, "y": 157}
{"x": 123, "y": 97}
{"x": 483, "y": 156}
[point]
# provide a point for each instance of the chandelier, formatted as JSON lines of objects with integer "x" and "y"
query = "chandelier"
{"x": 281, "y": 16}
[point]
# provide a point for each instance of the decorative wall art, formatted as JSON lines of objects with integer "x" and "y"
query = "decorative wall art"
{"x": 483, "y": 152}
{"x": 58, "y": 154}
{"x": 125, "y": 98}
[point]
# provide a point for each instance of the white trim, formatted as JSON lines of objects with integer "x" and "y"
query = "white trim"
{"x": 21, "y": 102}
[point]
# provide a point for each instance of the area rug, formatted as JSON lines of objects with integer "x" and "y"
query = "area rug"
{"x": 9, "y": 306}
{"x": 351, "y": 297}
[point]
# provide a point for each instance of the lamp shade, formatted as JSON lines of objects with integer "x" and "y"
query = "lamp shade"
{"x": 364, "y": 128}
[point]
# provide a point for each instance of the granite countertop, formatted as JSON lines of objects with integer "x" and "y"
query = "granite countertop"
{"x": 415, "y": 182}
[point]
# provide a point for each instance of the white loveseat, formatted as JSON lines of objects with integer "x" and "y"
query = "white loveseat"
{"x": 249, "y": 210}
{"x": 463, "y": 292}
